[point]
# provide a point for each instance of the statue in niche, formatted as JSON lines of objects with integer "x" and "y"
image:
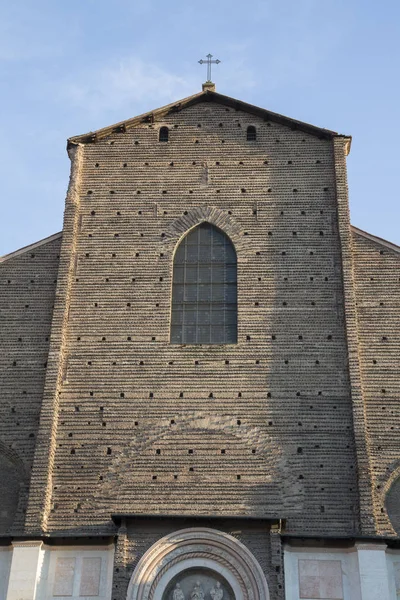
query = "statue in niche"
{"x": 197, "y": 593}
{"x": 178, "y": 594}
{"x": 216, "y": 592}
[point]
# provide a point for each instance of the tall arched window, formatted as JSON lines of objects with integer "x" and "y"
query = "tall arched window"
{"x": 204, "y": 290}
{"x": 163, "y": 134}
{"x": 251, "y": 133}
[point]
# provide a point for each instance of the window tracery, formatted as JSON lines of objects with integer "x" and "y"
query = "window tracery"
{"x": 204, "y": 290}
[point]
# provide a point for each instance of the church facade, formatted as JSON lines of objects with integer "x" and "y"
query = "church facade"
{"x": 200, "y": 374}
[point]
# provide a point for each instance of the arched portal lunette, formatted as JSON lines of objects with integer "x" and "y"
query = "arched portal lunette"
{"x": 193, "y": 548}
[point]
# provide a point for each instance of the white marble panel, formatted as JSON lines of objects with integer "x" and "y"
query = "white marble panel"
{"x": 374, "y": 575}
{"x": 321, "y": 573}
{"x": 90, "y": 576}
{"x": 64, "y": 576}
{"x": 5, "y": 566}
{"x": 26, "y": 563}
{"x": 320, "y": 579}
{"x": 396, "y": 570}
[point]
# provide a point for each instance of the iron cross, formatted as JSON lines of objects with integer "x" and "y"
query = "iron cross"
{"x": 209, "y": 62}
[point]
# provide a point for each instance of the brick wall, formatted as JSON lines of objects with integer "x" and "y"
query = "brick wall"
{"x": 278, "y": 402}
{"x": 141, "y": 534}
{"x": 377, "y": 279}
{"x": 27, "y": 286}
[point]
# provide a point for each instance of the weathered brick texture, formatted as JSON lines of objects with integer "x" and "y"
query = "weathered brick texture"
{"x": 263, "y": 427}
{"x": 377, "y": 279}
{"x": 27, "y": 286}
{"x": 298, "y": 421}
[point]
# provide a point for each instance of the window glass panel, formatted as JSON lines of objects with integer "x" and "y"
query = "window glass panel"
{"x": 192, "y": 253}
{"x": 190, "y": 317}
{"x": 204, "y": 294}
{"x": 176, "y": 334}
{"x": 217, "y": 292}
{"x": 178, "y": 274}
{"x": 204, "y": 334}
{"x": 206, "y": 233}
{"x": 177, "y": 316}
{"x": 230, "y": 293}
{"x": 230, "y": 254}
{"x": 191, "y": 273}
{"x": 230, "y": 317}
{"x": 180, "y": 254}
{"x": 190, "y": 292}
{"x": 204, "y": 254}
{"x": 231, "y": 334}
{"x": 217, "y": 317}
{"x": 218, "y": 238}
{"x": 204, "y": 273}
{"x": 163, "y": 134}
{"x": 189, "y": 335}
{"x": 230, "y": 274}
{"x": 203, "y": 317}
{"x": 218, "y": 273}
{"x": 251, "y": 133}
{"x": 193, "y": 238}
{"x": 218, "y": 254}
{"x": 217, "y": 334}
{"x": 178, "y": 292}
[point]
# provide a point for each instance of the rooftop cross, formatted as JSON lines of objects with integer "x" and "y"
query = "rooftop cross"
{"x": 209, "y": 62}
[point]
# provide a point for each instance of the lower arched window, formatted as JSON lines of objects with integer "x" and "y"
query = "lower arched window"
{"x": 251, "y": 133}
{"x": 163, "y": 134}
{"x": 204, "y": 291}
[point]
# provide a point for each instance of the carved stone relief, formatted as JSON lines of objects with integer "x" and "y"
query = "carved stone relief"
{"x": 198, "y": 584}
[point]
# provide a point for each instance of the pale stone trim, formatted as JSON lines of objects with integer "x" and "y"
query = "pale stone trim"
{"x": 39, "y": 503}
{"x": 198, "y": 546}
{"x": 361, "y": 435}
{"x": 27, "y": 544}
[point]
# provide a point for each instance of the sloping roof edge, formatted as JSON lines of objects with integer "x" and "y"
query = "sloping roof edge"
{"x": 46, "y": 240}
{"x": 206, "y": 96}
{"x": 55, "y": 236}
{"x": 376, "y": 239}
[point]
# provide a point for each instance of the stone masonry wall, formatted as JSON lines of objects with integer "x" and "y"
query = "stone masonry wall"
{"x": 263, "y": 427}
{"x": 27, "y": 287}
{"x": 377, "y": 278}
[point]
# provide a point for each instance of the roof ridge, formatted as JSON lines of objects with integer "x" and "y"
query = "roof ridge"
{"x": 204, "y": 96}
{"x": 132, "y": 120}
{"x": 45, "y": 240}
{"x": 375, "y": 238}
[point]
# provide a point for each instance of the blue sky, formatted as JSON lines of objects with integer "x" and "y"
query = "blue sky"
{"x": 71, "y": 67}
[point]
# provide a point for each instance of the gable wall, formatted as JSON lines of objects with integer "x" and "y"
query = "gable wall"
{"x": 284, "y": 392}
{"x": 27, "y": 287}
{"x": 377, "y": 280}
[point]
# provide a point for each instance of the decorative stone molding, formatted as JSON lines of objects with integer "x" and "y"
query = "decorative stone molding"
{"x": 27, "y": 544}
{"x": 198, "y": 547}
{"x": 371, "y": 546}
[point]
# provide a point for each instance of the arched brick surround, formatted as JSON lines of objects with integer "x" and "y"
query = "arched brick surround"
{"x": 198, "y": 547}
{"x": 220, "y": 218}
